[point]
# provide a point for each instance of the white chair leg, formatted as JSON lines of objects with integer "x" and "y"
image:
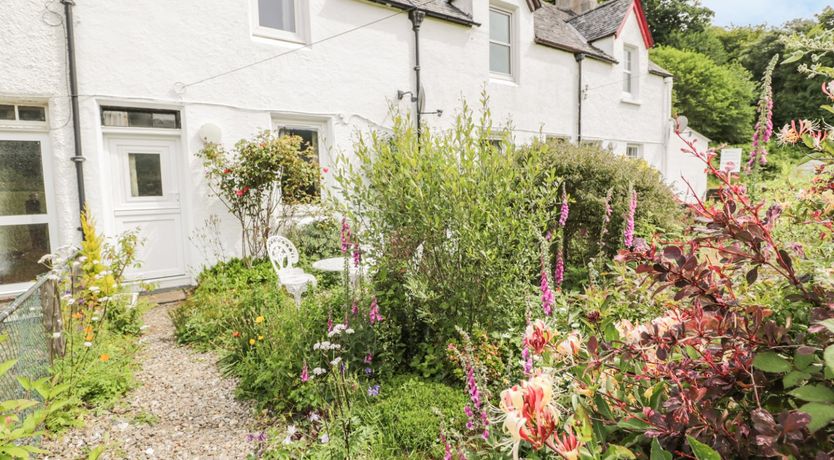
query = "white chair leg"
{"x": 297, "y": 295}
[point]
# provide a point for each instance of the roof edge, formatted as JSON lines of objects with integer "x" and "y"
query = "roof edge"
{"x": 598, "y": 56}
{"x": 429, "y": 13}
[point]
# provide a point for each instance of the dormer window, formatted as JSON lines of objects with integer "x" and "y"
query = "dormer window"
{"x": 280, "y": 19}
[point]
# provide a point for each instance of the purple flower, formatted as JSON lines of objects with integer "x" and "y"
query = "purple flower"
{"x": 373, "y": 391}
{"x": 547, "y": 295}
{"x": 354, "y": 309}
{"x": 563, "y": 213}
{"x": 373, "y": 314}
{"x": 559, "y": 274}
{"x": 256, "y": 437}
{"x": 369, "y": 372}
{"x": 446, "y": 445}
{"x": 528, "y": 360}
{"x": 304, "y": 374}
{"x": 628, "y": 233}
{"x": 764, "y": 126}
{"x": 345, "y": 235}
{"x": 369, "y": 358}
{"x": 357, "y": 255}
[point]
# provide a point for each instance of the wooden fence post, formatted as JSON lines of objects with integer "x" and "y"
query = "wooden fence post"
{"x": 52, "y": 321}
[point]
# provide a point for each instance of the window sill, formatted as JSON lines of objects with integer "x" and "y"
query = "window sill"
{"x": 502, "y": 79}
{"x": 268, "y": 35}
{"x": 630, "y": 100}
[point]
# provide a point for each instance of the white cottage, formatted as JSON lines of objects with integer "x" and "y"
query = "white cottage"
{"x": 148, "y": 79}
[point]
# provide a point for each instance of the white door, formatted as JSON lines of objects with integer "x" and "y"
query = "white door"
{"x": 146, "y": 197}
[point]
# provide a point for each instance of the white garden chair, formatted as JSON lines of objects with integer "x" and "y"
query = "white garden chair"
{"x": 283, "y": 254}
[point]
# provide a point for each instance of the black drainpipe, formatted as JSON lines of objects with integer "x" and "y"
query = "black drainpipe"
{"x": 579, "y": 58}
{"x": 417, "y": 17}
{"x": 78, "y": 158}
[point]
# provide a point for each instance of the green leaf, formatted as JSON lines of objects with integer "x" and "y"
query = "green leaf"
{"x": 658, "y": 453}
{"x": 701, "y": 450}
{"x": 631, "y": 423}
{"x": 771, "y": 362}
{"x": 4, "y": 367}
{"x": 794, "y": 378}
{"x": 804, "y": 357}
{"x": 796, "y": 56}
{"x": 616, "y": 452}
{"x": 828, "y": 323}
{"x": 820, "y": 414}
{"x": 814, "y": 393}
{"x": 828, "y": 357}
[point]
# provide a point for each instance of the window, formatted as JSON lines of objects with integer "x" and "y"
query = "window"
{"x": 24, "y": 220}
{"x": 309, "y": 140}
{"x": 22, "y": 113}
{"x": 280, "y": 19}
{"x": 130, "y": 117}
{"x": 145, "y": 174}
{"x": 500, "y": 43}
{"x": 629, "y": 70}
{"x": 634, "y": 151}
{"x": 277, "y": 14}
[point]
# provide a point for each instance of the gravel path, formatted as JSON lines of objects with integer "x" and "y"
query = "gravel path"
{"x": 184, "y": 408}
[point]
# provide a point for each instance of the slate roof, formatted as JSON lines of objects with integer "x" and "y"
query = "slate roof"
{"x": 603, "y": 20}
{"x": 554, "y": 30}
{"x": 657, "y": 70}
{"x": 441, "y": 9}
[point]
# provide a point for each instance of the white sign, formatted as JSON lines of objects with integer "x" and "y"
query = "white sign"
{"x": 730, "y": 160}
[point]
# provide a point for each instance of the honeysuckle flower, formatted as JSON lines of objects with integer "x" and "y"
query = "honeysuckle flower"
{"x": 537, "y": 336}
{"x": 792, "y": 133}
{"x": 828, "y": 89}
{"x": 567, "y": 445}
{"x": 530, "y": 413}
{"x": 570, "y": 346}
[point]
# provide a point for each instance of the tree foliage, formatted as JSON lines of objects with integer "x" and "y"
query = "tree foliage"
{"x": 668, "y": 17}
{"x": 717, "y": 99}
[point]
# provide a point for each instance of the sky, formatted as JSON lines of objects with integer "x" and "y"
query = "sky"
{"x": 772, "y": 12}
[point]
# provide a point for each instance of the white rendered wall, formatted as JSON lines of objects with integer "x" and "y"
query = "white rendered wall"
{"x": 140, "y": 53}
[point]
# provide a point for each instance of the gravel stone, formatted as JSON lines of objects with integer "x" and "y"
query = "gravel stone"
{"x": 183, "y": 409}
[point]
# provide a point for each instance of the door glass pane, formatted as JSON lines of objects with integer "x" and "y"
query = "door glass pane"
{"x": 499, "y": 58}
{"x": 277, "y": 14}
{"x": 21, "y": 178}
{"x": 145, "y": 174}
{"x": 6, "y": 112}
{"x": 165, "y": 120}
{"x": 140, "y": 119}
{"x": 21, "y": 246}
{"x": 31, "y": 113}
{"x": 499, "y": 26}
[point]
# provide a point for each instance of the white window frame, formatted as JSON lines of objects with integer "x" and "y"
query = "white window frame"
{"x": 631, "y": 66}
{"x": 302, "y": 24}
{"x": 511, "y": 16}
{"x": 637, "y": 147}
{"x": 49, "y": 217}
{"x": 321, "y": 127}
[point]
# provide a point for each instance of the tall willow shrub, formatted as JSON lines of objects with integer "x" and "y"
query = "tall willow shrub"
{"x": 455, "y": 224}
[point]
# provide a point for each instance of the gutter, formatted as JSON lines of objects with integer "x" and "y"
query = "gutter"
{"x": 416, "y": 17}
{"x": 433, "y": 14}
{"x": 78, "y": 157}
{"x": 571, "y": 49}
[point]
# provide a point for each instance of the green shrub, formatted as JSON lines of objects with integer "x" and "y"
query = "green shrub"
{"x": 454, "y": 224}
{"x": 411, "y": 412}
{"x": 204, "y": 319}
{"x": 588, "y": 173}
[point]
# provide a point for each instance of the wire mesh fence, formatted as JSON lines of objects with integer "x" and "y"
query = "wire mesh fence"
{"x": 26, "y": 337}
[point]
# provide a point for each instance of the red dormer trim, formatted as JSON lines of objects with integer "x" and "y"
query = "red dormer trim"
{"x": 637, "y": 8}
